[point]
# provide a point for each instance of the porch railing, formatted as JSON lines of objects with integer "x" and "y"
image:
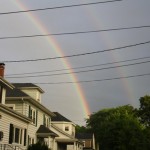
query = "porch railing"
{"x": 10, "y": 147}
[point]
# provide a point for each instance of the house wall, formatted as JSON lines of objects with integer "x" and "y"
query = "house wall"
{"x": 61, "y": 135}
{"x": 23, "y": 108}
{"x": 63, "y": 125}
{"x": 19, "y": 107}
{"x": 34, "y": 93}
{"x": 5, "y": 121}
{"x": 33, "y": 127}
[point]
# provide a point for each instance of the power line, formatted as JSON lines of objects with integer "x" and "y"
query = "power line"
{"x": 82, "y": 67}
{"x": 58, "y": 7}
{"x": 98, "y": 80}
{"x": 73, "y": 33}
{"x": 77, "y": 55}
{"x": 82, "y": 71}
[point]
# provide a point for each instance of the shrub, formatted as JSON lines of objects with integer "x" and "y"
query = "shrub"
{"x": 38, "y": 146}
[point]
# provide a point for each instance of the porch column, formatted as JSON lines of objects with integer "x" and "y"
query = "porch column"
{"x": 49, "y": 146}
{"x": 74, "y": 146}
{"x": 77, "y": 147}
{"x": 54, "y": 144}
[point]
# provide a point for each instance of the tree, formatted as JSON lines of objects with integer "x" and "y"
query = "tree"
{"x": 82, "y": 129}
{"x": 117, "y": 129}
{"x": 144, "y": 110}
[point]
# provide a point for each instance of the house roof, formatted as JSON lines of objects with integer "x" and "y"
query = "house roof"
{"x": 59, "y": 117}
{"x": 15, "y": 93}
{"x": 84, "y": 135}
{"x": 5, "y": 83}
{"x": 27, "y": 85}
{"x": 43, "y": 130}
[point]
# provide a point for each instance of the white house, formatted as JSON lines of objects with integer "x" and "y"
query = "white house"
{"x": 24, "y": 120}
{"x": 13, "y": 125}
{"x": 66, "y": 131}
{"x": 25, "y": 99}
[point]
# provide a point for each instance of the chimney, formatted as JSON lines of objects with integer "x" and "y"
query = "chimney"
{"x": 2, "y": 68}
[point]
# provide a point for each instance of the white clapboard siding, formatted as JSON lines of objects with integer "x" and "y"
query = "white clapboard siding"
{"x": 19, "y": 107}
{"x": 62, "y": 125}
{"x": 32, "y": 129}
{"x": 34, "y": 93}
{"x": 5, "y": 121}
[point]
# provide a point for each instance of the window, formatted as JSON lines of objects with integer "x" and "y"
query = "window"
{"x": 31, "y": 141}
{"x": 16, "y": 134}
{"x": 46, "y": 120}
{"x": 66, "y": 128}
{"x": 33, "y": 115}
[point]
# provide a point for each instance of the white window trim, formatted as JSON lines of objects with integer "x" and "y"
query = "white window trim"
{"x": 47, "y": 121}
{"x": 21, "y": 135}
{"x": 33, "y": 117}
{"x": 67, "y": 128}
{"x": 31, "y": 139}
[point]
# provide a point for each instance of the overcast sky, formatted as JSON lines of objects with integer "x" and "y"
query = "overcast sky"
{"x": 64, "y": 98}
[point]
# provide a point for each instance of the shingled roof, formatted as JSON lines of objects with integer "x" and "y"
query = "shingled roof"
{"x": 24, "y": 85}
{"x": 43, "y": 130}
{"x": 27, "y": 85}
{"x": 15, "y": 93}
{"x": 59, "y": 117}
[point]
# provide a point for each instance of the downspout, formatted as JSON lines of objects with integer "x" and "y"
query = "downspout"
{"x": 23, "y": 106}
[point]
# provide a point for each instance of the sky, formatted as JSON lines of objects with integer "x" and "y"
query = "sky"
{"x": 69, "y": 94}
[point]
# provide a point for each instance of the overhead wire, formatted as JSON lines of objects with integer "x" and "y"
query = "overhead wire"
{"x": 82, "y": 71}
{"x": 81, "y": 67}
{"x": 97, "y": 80}
{"x": 77, "y": 55}
{"x": 73, "y": 33}
{"x": 57, "y": 7}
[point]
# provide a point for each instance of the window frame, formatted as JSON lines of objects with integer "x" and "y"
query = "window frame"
{"x": 47, "y": 120}
{"x": 33, "y": 115}
{"x": 31, "y": 140}
{"x": 18, "y": 137}
{"x": 66, "y": 128}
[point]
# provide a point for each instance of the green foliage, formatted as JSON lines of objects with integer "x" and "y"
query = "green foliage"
{"x": 144, "y": 110}
{"x": 38, "y": 146}
{"x": 82, "y": 129}
{"x": 147, "y": 138}
{"x": 118, "y": 129}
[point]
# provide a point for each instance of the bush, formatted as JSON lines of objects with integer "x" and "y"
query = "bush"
{"x": 38, "y": 146}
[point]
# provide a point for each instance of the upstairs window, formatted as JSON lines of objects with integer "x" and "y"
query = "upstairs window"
{"x": 46, "y": 120}
{"x": 66, "y": 128}
{"x": 33, "y": 115}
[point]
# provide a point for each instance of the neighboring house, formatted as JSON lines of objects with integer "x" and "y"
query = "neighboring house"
{"x": 24, "y": 120}
{"x": 66, "y": 131}
{"x": 88, "y": 140}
